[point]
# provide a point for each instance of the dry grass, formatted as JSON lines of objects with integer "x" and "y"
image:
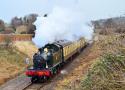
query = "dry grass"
{"x": 72, "y": 80}
{"x": 106, "y": 74}
{"x": 98, "y": 77}
{"x": 27, "y": 47}
{"x": 11, "y": 63}
{"x": 111, "y": 43}
{"x": 12, "y": 59}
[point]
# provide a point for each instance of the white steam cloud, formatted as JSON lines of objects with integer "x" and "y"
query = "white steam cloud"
{"x": 61, "y": 24}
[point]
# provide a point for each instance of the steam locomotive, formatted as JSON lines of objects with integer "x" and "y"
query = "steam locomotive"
{"x": 50, "y": 58}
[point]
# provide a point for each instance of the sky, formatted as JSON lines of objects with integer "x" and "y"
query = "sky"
{"x": 92, "y": 9}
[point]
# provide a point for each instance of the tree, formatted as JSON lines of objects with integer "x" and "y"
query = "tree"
{"x": 15, "y": 22}
{"x": 96, "y": 24}
{"x": 109, "y": 23}
{"x": 31, "y": 29}
{"x": 29, "y": 19}
{"x": 2, "y": 25}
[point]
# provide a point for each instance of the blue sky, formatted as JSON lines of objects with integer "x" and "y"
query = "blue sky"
{"x": 92, "y": 9}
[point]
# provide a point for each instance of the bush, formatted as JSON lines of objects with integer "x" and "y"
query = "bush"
{"x": 8, "y": 41}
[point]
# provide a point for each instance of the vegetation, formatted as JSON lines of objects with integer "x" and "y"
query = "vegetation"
{"x": 111, "y": 43}
{"x": 12, "y": 56}
{"x": 20, "y": 25}
{"x": 25, "y": 21}
{"x": 8, "y": 42}
{"x": 106, "y": 74}
{"x": 2, "y": 26}
{"x": 109, "y": 26}
{"x": 12, "y": 59}
{"x": 11, "y": 63}
{"x": 26, "y": 47}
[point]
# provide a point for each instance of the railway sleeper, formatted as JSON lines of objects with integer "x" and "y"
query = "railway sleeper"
{"x": 37, "y": 79}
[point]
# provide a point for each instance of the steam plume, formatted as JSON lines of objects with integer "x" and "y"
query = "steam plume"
{"x": 61, "y": 24}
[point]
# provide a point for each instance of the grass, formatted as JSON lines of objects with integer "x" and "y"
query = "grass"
{"x": 111, "y": 43}
{"x": 106, "y": 74}
{"x": 26, "y": 47}
{"x": 12, "y": 59}
{"x": 12, "y": 56}
{"x": 11, "y": 63}
{"x": 108, "y": 71}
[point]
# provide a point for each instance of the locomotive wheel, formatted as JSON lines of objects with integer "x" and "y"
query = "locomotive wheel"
{"x": 54, "y": 71}
{"x": 58, "y": 70}
{"x": 34, "y": 79}
{"x": 42, "y": 79}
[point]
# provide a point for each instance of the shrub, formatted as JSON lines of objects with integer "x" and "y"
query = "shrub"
{"x": 8, "y": 41}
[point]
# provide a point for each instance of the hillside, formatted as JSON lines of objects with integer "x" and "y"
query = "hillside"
{"x": 107, "y": 73}
{"x": 110, "y": 25}
{"x": 12, "y": 59}
{"x": 11, "y": 63}
{"x": 26, "y": 47}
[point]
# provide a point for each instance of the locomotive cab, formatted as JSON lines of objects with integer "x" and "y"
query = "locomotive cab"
{"x": 47, "y": 54}
{"x": 51, "y": 53}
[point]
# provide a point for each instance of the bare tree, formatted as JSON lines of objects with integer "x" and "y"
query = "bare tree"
{"x": 2, "y": 25}
{"x": 15, "y": 22}
{"x": 29, "y": 21}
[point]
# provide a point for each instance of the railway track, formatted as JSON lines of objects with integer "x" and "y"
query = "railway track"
{"x": 18, "y": 83}
{"x": 36, "y": 86}
{"x": 23, "y": 86}
{"x": 39, "y": 86}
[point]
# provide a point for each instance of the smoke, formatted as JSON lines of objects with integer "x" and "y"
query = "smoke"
{"x": 64, "y": 72}
{"x": 61, "y": 24}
